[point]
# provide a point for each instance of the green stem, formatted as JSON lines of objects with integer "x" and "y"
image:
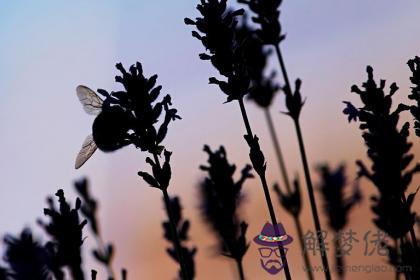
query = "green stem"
{"x": 266, "y": 193}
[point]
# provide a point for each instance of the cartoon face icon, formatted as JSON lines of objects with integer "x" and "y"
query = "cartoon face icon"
{"x": 271, "y": 259}
{"x": 270, "y": 240}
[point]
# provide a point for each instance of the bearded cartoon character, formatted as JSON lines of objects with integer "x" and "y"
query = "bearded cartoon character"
{"x": 268, "y": 243}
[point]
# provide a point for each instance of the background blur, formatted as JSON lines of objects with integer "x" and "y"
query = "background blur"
{"x": 49, "y": 47}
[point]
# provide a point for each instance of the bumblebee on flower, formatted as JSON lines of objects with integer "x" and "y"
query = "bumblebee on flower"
{"x": 126, "y": 117}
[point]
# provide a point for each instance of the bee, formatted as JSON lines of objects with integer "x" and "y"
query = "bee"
{"x": 92, "y": 104}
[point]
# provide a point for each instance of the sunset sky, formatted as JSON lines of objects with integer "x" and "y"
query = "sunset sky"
{"x": 49, "y": 47}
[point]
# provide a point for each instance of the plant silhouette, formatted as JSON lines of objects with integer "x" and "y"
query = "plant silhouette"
{"x": 220, "y": 198}
{"x": 182, "y": 227}
{"x": 255, "y": 57}
{"x": 26, "y": 257}
{"x": 266, "y": 16}
{"x": 402, "y": 255}
{"x": 226, "y": 53}
{"x": 131, "y": 116}
{"x": 104, "y": 252}
{"x": 337, "y": 207}
{"x": 262, "y": 91}
{"x": 65, "y": 229}
{"x": 414, "y": 65}
{"x": 291, "y": 201}
{"x": 389, "y": 152}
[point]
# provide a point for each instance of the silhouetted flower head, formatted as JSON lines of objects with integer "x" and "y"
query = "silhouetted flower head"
{"x": 104, "y": 253}
{"x": 267, "y": 17}
{"x": 256, "y": 57}
{"x": 161, "y": 174}
{"x": 337, "y": 206}
{"x": 351, "y": 112}
{"x": 414, "y": 65}
{"x": 220, "y": 198}
{"x": 291, "y": 201}
{"x": 27, "y": 259}
{"x": 216, "y": 30}
{"x": 65, "y": 229}
{"x": 182, "y": 227}
{"x": 130, "y": 116}
{"x": 255, "y": 154}
{"x": 89, "y": 204}
{"x": 294, "y": 102}
{"x": 389, "y": 151}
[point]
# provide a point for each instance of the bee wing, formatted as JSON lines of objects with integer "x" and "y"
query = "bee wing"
{"x": 87, "y": 150}
{"x": 92, "y": 103}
